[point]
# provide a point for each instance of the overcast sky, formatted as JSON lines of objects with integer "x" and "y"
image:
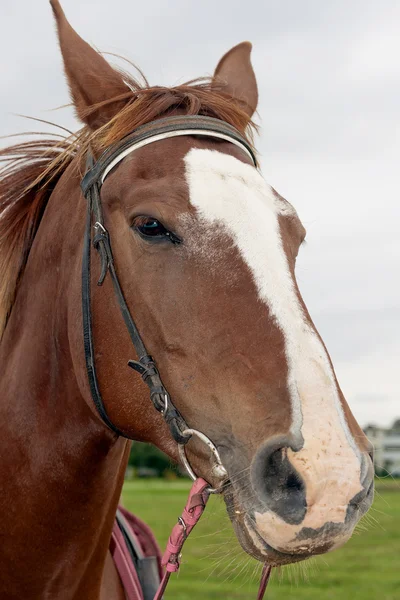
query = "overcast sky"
{"x": 329, "y": 82}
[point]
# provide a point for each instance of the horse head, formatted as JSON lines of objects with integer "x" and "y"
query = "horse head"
{"x": 205, "y": 251}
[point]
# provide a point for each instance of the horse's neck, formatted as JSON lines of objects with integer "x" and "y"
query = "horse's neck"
{"x": 61, "y": 472}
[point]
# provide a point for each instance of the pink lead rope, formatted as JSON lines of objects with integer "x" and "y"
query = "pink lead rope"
{"x": 196, "y": 503}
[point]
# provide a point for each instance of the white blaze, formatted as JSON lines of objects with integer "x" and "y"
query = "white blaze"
{"x": 234, "y": 196}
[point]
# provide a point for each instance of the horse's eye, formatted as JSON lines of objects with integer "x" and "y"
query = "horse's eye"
{"x": 151, "y": 229}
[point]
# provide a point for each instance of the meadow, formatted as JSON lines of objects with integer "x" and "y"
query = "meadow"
{"x": 214, "y": 566}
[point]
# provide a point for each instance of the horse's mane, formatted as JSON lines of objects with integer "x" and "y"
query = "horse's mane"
{"x": 31, "y": 169}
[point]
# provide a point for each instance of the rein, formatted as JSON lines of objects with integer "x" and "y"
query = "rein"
{"x": 96, "y": 172}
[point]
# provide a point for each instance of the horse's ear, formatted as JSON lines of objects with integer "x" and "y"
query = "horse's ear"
{"x": 98, "y": 91}
{"x": 235, "y": 72}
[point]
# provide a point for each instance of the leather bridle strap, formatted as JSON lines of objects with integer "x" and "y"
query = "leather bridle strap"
{"x": 145, "y": 365}
{"x": 163, "y": 129}
{"x": 91, "y": 184}
{"x": 87, "y": 322}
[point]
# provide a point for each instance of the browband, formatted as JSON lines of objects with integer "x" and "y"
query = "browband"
{"x": 159, "y": 130}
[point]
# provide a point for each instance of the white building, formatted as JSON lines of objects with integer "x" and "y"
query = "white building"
{"x": 386, "y": 444}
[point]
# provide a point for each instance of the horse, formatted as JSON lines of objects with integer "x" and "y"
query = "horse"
{"x": 204, "y": 252}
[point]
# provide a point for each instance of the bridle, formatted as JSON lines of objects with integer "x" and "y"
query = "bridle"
{"x": 96, "y": 172}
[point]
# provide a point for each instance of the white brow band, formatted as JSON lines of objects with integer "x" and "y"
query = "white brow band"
{"x": 170, "y": 134}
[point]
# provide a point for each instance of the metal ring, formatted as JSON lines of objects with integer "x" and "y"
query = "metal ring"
{"x": 214, "y": 451}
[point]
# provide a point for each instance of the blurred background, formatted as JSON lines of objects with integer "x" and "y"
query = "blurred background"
{"x": 329, "y": 83}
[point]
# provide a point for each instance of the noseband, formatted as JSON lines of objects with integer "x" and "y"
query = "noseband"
{"x": 96, "y": 172}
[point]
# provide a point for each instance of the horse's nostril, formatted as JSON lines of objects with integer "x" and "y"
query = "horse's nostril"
{"x": 277, "y": 483}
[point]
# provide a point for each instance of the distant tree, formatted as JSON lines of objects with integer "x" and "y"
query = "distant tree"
{"x": 147, "y": 455}
{"x": 396, "y": 425}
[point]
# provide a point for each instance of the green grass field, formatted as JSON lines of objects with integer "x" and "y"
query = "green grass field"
{"x": 214, "y": 566}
